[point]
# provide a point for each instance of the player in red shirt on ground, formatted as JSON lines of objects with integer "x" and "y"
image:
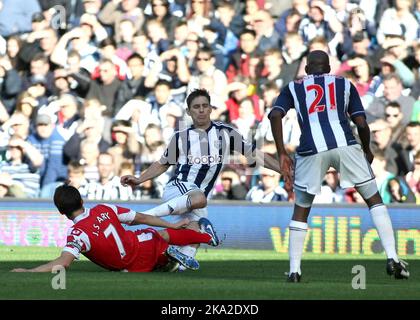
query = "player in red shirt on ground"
{"x": 98, "y": 234}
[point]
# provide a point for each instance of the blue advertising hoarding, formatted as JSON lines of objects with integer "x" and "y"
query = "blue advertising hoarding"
{"x": 340, "y": 229}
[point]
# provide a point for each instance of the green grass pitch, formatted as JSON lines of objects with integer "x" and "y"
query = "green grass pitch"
{"x": 224, "y": 274}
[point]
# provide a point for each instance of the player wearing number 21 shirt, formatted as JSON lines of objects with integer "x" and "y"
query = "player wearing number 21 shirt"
{"x": 98, "y": 234}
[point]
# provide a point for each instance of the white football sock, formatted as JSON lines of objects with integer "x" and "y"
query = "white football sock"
{"x": 383, "y": 225}
{"x": 178, "y": 205}
{"x": 297, "y": 235}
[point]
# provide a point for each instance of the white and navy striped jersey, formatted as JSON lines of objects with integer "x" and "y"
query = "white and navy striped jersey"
{"x": 324, "y": 104}
{"x": 199, "y": 155}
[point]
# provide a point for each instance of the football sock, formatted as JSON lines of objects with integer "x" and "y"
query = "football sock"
{"x": 184, "y": 237}
{"x": 383, "y": 225}
{"x": 177, "y": 205}
{"x": 297, "y": 234}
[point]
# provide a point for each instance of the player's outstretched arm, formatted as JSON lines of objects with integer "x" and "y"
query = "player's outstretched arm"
{"x": 149, "y": 220}
{"x": 155, "y": 170}
{"x": 267, "y": 161}
{"x": 64, "y": 260}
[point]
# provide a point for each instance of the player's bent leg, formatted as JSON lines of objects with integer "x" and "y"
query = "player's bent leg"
{"x": 383, "y": 224}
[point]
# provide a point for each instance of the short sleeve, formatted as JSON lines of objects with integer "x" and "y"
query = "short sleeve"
{"x": 355, "y": 107}
{"x": 77, "y": 242}
{"x": 124, "y": 215}
{"x": 171, "y": 154}
{"x": 283, "y": 102}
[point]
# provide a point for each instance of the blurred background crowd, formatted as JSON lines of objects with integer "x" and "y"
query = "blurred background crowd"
{"x": 91, "y": 90}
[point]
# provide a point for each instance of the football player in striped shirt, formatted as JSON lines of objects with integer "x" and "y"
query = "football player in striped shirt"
{"x": 324, "y": 104}
{"x": 199, "y": 153}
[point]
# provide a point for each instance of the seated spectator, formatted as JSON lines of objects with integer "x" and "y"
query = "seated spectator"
{"x": 394, "y": 117}
{"x": 382, "y": 176}
{"x": 117, "y": 10}
{"x": 268, "y": 189}
{"x": 76, "y": 177}
{"x": 10, "y": 84}
{"x": 23, "y": 163}
{"x": 381, "y": 141}
{"x": 124, "y": 146}
{"x": 105, "y": 88}
{"x": 50, "y": 144}
{"x": 10, "y": 188}
{"x": 400, "y": 191}
{"x": 392, "y": 92}
{"x": 413, "y": 177}
{"x": 263, "y": 24}
{"x": 90, "y": 129}
{"x": 331, "y": 192}
{"x": 108, "y": 187}
{"x": 230, "y": 187}
{"x": 407, "y": 153}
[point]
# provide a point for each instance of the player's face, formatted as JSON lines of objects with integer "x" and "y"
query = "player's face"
{"x": 200, "y": 110}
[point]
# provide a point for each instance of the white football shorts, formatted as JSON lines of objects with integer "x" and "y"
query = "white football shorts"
{"x": 349, "y": 161}
{"x": 178, "y": 188}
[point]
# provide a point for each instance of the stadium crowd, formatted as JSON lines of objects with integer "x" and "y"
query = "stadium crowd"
{"x": 91, "y": 90}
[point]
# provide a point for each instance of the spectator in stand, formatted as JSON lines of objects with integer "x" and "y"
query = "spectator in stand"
{"x": 124, "y": 146}
{"x": 90, "y": 129}
{"x": 268, "y": 189}
{"x": 108, "y": 50}
{"x": 381, "y": 142}
{"x": 117, "y": 10}
{"x": 161, "y": 12}
{"x": 206, "y": 66}
{"x": 49, "y": 143}
{"x": 230, "y": 187}
{"x": 239, "y": 61}
{"x": 89, "y": 153}
{"x": 10, "y": 84}
{"x": 398, "y": 19}
{"x": 382, "y": 176}
{"x": 392, "y": 92}
{"x": 272, "y": 70}
{"x": 105, "y": 88}
{"x": 293, "y": 51}
{"x": 394, "y": 117}
{"x": 320, "y": 21}
{"x": 408, "y": 152}
{"x": 14, "y": 45}
{"x": 199, "y": 14}
{"x": 238, "y": 91}
{"x": 16, "y": 16}
{"x": 263, "y": 24}
{"x": 331, "y": 192}
{"x": 22, "y": 163}
{"x": 108, "y": 187}
{"x": 360, "y": 67}
{"x": 18, "y": 124}
{"x": 76, "y": 177}
{"x": 125, "y": 46}
{"x": 246, "y": 121}
{"x": 299, "y": 7}
{"x": 400, "y": 191}
{"x": 10, "y": 188}
{"x": 39, "y": 69}
{"x": 413, "y": 177}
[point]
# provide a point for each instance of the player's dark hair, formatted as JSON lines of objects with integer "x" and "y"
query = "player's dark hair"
{"x": 67, "y": 199}
{"x": 197, "y": 93}
{"x": 318, "y": 62}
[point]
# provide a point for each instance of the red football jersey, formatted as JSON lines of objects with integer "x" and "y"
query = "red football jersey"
{"x": 98, "y": 234}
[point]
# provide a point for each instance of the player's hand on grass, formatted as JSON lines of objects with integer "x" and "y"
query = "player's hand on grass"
{"x": 20, "y": 270}
{"x": 129, "y": 180}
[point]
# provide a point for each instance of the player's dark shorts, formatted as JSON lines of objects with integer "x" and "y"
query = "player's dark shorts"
{"x": 151, "y": 251}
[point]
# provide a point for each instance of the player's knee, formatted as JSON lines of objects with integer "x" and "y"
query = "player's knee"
{"x": 368, "y": 190}
{"x": 198, "y": 199}
{"x": 303, "y": 199}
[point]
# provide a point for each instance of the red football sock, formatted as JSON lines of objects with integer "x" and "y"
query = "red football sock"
{"x": 183, "y": 237}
